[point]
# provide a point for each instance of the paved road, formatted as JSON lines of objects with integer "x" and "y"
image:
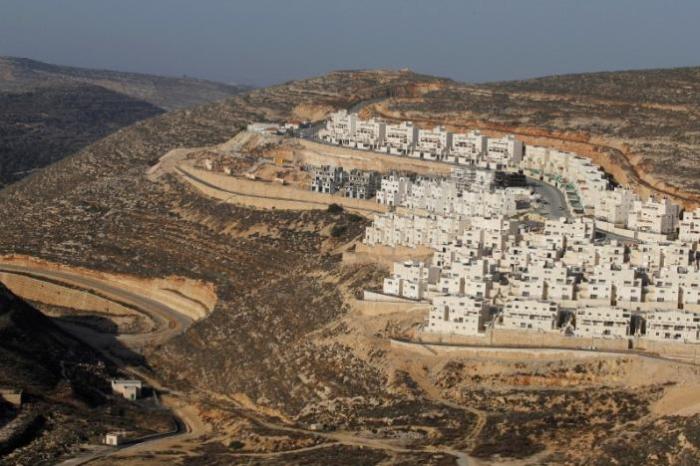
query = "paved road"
{"x": 168, "y": 321}
{"x": 556, "y": 202}
{"x": 555, "y": 207}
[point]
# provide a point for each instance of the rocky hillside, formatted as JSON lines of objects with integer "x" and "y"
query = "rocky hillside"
{"x": 642, "y": 126}
{"x": 33, "y": 348}
{"x": 19, "y": 75}
{"x": 50, "y": 112}
{"x": 67, "y": 396}
{"x": 280, "y": 340}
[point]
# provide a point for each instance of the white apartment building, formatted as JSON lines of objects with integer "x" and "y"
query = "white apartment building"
{"x": 612, "y": 253}
{"x": 615, "y": 206}
{"x": 583, "y": 255}
{"x": 340, "y": 128}
{"x": 601, "y": 322}
{"x": 689, "y": 227}
{"x": 666, "y": 291}
{"x": 528, "y": 289}
{"x": 530, "y": 315}
{"x": 450, "y": 283}
{"x": 630, "y": 292}
{"x": 393, "y": 190}
{"x": 646, "y": 256}
{"x": 468, "y": 148}
{"x": 411, "y": 279}
{"x": 393, "y": 286}
{"x": 578, "y": 230}
{"x": 672, "y": 325}
{"x": 504, "y": 152}
{"x": 654, "y": 216}
{"x": 432, "y": 144}
{"x": 676, "y": 254}
{"x": 400, "y": 138}
{"x": 690, "y": 293}
{"x": 597, "y": 290}
{"x": 369, "y": 134}
{"x": 459, "y": 315}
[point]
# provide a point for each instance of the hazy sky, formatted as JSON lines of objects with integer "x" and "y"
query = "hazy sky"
{"x": 264, "y": 41}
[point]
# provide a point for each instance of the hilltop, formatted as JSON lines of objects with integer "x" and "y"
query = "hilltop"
{"x": 19, "y": 75}
{"x": 50, "y": 111}
{"x": 284, "y": 364}
{"x": 642, "y": 126}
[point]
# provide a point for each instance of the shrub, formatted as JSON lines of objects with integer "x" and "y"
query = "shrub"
{"x": 236, "y": 445}
{"x": 338, "y": 230}
{"x": 335, "y": 208}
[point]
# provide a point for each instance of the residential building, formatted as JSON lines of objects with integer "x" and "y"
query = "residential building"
{"x": 615, "y": 206}
{"x": 432, "y": 144}
{"x": 689, "y": 227}
{"x": 129, "y": 389}
{"x": 654, "y": 216}
{"x": 468, "y": 148}
{"x": 504, "y": 152}
{"x": 369, "y": 134}
{"x": 326, "y": 179}
{"x": 520, "y": 314}
{"x": 459, "y": 315}
{"x": 361, "y": 184}
{"x": 400, "y": 138}
{"x": 672, "y": 325}
{"x": 340, "y": 128}
{"x": 601, "y": 322}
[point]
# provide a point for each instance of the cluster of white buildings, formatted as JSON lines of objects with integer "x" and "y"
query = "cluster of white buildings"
{"x": 623, "y": 209}
{"x": 406, "y": 139}
{"x": 586, "y": 187}
{"x": 466, "y": 193}
{"x": 490, "y": 271}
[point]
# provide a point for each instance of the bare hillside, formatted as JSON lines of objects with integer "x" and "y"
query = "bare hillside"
{"x": 285, "y": 370}
{"x": 642, "y": 126}
{"x": 50, "y": 111}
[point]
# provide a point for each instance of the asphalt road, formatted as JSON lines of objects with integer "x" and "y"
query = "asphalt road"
{"x": 554, "y": 208}
{"x": 556, "y": 205}
{"x": 168, "y": 321}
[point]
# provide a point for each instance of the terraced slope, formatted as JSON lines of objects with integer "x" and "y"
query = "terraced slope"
{"x": 50, "y": 112}
{"x": 18, "y": 75}
{"x": 642, "y": 126}
{"x": 284, "y": 369}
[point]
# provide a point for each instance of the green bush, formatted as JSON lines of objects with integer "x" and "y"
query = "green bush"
{"x": 338, "y": 230}
{"x": 335, "y": 208}
{"x": 236, "y": 445}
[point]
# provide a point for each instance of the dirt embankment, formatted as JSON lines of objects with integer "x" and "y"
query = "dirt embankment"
{"x": 193, "y": 298}
{"x": 615, "y": 157}
{"x": 311, "y": 112}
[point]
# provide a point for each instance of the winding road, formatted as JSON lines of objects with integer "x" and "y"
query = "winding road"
{"x": 169, "y": 323}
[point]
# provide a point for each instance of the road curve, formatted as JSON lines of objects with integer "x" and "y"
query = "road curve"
{"x": 169, "y": 321}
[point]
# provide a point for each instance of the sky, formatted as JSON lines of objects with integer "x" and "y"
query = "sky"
{"x": 263, "y": 42}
